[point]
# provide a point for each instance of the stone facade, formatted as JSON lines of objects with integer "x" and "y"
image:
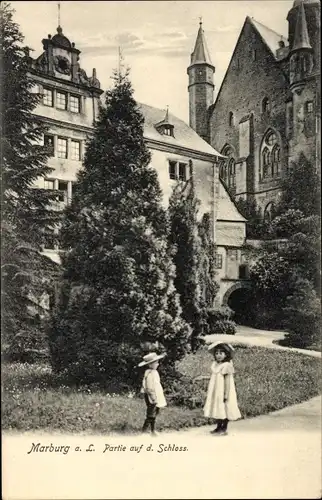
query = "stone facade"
{"x": 267, "y": 110}
{"x": 69, "y": 106}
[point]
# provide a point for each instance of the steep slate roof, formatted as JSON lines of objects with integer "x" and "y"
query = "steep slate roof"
{"x": 227, "y": 209}
{"x": 184, "y": 136}
{"x": 200, "y": 54}
{"x": 301, "y": 36}
{"x": 269, "y": 36}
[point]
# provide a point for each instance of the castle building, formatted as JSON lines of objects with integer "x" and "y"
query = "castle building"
{"x": 69, "y": 106}
{"x": 267, "y": 110}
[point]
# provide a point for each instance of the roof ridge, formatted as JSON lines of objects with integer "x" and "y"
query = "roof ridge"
{"x": 268, "y": 28}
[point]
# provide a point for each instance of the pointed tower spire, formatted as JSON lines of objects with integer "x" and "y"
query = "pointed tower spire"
{"x": 200, "y": 53}
{"x": 301, "y": 36}
{"x": 201, "y": 85}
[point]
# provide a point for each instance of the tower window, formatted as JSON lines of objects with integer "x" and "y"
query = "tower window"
{"x": 309, "y": 107}
{"x": 231, "y": 119}
{"x": 254, "y": 54}
{"x": 61, "y": 102}
{"x": 265, "y": 105}
{"x": 47, "y": 98}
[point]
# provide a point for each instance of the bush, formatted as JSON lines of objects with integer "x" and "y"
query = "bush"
{"x": 29, "y": 345}
{"x": 302, "y": 317}
{"x": 220, "y": 321}
{"x": 185, "y": 392}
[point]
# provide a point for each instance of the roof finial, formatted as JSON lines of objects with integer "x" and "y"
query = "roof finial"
{"x": 166, "y": 119}
{"x": 200, "y": 21}
{"x": 58, "y": 5}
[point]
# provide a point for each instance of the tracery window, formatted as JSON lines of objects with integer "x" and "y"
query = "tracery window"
{"x": 228, "y": 168}
{"x": 270, "y": 157}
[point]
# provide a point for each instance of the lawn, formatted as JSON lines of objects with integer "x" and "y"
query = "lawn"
{"x": 266, "y": 380}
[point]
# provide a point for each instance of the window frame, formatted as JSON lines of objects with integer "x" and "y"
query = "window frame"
{"x": 74, "y": 97}
{"x": 45, "y": 93}
{"x": 61, "y": 93}
{"x": 52, "y": 137}
{"x": 75, "y": 141}
{"x": 218, "y": 261}
{"x": 59, "y": 138}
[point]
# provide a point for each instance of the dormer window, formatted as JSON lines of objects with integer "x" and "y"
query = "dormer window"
{"x": 165, "y": 129}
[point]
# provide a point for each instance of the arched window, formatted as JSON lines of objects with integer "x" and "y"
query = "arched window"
{"x": 232, "y": 173}
{"x": 269, "y": 212}
{"x": 229, "y": 169}
{"x": 270, "y": 156}
{"x": 276, "y": 154}
{"x": 265, "y": 105}
{"x": 231, "y": 119}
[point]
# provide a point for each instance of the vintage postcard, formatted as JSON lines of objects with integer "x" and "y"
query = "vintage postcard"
{"x": 161, "y": 166}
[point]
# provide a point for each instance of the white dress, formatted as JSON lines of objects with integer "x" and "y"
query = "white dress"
{"x": 215, "y": 406}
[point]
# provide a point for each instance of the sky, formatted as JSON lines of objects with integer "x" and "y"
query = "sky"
{"x": 156, "y": 38}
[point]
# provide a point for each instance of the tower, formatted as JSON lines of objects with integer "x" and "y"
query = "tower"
{"x": 201, "y": 85}
{"x": 304, "y": 78}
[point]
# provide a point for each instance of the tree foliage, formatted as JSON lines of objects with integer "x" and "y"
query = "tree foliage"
{"x": 194, "y": 258}
{"x": 26, "y": 211}
{"x": 118, "y": 293}
{"x": 287, "y": 277}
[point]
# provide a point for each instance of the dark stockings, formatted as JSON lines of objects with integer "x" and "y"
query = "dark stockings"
{"x": 222, "y": 425}
{"x": 149, "y": 422}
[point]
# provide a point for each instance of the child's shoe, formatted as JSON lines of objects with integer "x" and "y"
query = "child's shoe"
{"x": 215, "y": 431}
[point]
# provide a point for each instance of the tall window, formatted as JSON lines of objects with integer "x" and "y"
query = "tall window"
{"x": 172, "y": 170}
{"x": 228, "y": 168}
{"x": 265, "y": 105}
{"x": 61, "y": 147}
{"x": 182, "y": 171}
{"x": 47, "y": 98}
{"x": 49, "y": 144}
{"x": 61, "y": 100}
{"x": 232, "y": 173}
{"x": 74, "y": 104}
{"x": 231, "y": 119}
{"x": 270, "y": 157}
{"x": 75, "y": 150}
{"x": 309, "y": 107}
{"x": 218, "y": 261}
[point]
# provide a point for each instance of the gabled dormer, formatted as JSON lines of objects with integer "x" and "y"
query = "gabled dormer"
{"x": 165, "y": 127}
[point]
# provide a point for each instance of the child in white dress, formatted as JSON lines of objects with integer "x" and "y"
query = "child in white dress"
{"x": 152, "y": 390}
{"x": 221, "y": 402}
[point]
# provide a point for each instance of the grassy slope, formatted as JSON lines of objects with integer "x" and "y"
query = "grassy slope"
{"x": 266, "y": 380}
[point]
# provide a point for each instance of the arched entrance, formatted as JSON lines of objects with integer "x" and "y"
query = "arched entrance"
{"x": 237, "y": 298}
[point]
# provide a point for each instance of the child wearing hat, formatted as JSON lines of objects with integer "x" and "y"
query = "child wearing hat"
{"x": 221, "y": 401}
{"x": 152, "y": 390}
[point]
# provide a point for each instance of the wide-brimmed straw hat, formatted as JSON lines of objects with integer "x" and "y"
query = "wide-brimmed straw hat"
{"x": 226, "y": 347}
{"x": 151, "y": 358}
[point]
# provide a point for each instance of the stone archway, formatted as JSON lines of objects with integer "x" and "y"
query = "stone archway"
{"x": 237, "y": 298}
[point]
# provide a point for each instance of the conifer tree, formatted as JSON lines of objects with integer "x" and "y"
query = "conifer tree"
{"x": 117, "y": 293}
{"x": 26, "y": 211}
{"x": 193, "y": 261}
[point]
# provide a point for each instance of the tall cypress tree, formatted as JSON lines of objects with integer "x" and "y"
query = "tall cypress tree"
{"x": 26, "y": 211}
{"x": 118, "y": 289}
{"x": 194, "y": 258}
